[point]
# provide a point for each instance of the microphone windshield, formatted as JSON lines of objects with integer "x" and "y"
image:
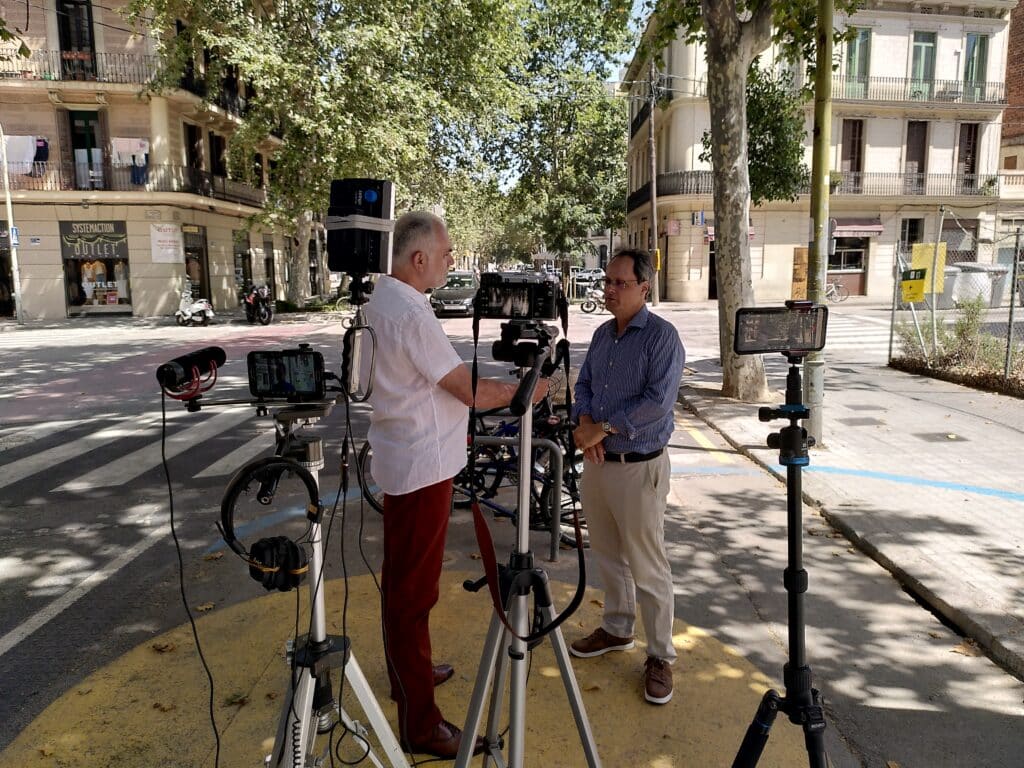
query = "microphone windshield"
{"x": 178, "y": 372}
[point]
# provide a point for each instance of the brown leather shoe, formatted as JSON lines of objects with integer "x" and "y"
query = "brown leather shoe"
{"x": 443, "y": 673}
{"x": 657, "y": 681}
{"x": 444, "y": 742}
{"x": 599, "y": 642}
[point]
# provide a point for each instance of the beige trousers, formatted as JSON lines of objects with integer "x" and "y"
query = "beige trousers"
{"x": 624, "y": 505}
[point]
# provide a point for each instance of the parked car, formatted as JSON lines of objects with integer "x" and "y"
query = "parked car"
{"x": 456, "y": 295}
{"x": 589, "y": 275}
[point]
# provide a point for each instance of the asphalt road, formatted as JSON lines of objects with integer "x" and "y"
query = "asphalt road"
{"x": 89, "y": 567}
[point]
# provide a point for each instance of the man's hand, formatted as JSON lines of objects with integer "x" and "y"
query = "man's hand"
{"x": 587, "y": 436}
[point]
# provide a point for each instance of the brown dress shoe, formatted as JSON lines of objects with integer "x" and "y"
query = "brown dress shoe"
{"x": 443, "y": 673}
{"x": 444, "y": 742}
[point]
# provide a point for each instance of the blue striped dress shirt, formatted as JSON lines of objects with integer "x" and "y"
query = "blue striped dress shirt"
{"x": 632, "y": 381}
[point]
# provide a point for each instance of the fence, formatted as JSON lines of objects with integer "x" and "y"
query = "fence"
{"x": 971, "y": 329}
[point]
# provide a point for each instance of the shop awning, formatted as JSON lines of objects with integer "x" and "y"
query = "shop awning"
{"x": 858, "y": 227}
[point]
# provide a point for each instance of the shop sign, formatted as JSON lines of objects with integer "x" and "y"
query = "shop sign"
{"x": 167, "y": 244}
{"x": 93, "y": 240}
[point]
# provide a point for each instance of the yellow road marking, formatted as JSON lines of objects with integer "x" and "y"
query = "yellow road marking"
{"x": 720, "y": 455}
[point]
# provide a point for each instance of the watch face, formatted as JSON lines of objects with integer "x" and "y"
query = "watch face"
{"x": 606, "y": 426}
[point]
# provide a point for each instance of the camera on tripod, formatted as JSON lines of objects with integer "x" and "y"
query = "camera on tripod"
{"x": 521, "y": 340}
{"x": 295, "y": 375}
{"x": 360, "y": 225}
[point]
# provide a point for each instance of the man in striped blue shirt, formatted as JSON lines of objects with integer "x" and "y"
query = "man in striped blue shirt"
{"x": 625, "y": 395}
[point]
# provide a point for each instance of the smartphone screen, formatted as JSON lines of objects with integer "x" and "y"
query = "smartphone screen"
{"x": 780, "y": 329}
{"x": 290, "y": 374}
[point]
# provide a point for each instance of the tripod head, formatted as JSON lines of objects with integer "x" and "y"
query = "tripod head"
{"x": 792, "y": 441}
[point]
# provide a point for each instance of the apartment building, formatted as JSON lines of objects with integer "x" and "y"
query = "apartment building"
{"x": 918, "y": 102}
{"x": 119, "y": 195}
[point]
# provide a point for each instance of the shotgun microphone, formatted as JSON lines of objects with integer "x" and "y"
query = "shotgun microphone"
{"x": 178, "y": 373}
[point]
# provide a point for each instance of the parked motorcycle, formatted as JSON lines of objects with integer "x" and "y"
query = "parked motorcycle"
{"x": 593, "y": 301}
{"x": 193, "y": 311}
{"x": 258, "y": 305}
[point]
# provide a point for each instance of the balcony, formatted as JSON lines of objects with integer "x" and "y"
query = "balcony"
{"x": 56, "y": 177}
{"x": 918, "y": 91}
{"x": 640, "y": 119}
{"x": 942, "y": 185}
{"x": 132, "y": 68}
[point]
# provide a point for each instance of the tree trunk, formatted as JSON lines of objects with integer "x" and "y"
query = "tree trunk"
{"x": 730, "y": 50}
{"x": 298, "y": 265}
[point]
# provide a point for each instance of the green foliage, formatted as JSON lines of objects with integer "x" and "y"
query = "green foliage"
{"x": 775, "y": 138}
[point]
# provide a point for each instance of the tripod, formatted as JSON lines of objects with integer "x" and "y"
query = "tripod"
{"x": 517, "y": 581}
{"x": 802, "y": 703}
{"x": 310, "y": 701}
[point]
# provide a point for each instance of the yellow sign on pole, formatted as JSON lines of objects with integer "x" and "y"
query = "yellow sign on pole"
{"x": 657, "y": 259}
{"x": 923, "y": 257}
{"x": 912, "y": 285}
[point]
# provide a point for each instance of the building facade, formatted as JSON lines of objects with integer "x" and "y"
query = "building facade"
{"x": 122, "y": 197}
{"x": 918, "y": 102}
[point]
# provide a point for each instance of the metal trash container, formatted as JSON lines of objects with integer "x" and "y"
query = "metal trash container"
{"x": 950, "y": 276}
{"x": 997, "y": 278}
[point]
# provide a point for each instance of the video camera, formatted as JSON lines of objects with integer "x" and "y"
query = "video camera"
{"x": 518, "y": 296}
{"x": 360, "y": 224}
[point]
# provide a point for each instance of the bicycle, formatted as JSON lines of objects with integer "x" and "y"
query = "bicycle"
{"x": 836, "y": 292}
{"x": 496, "y": 468}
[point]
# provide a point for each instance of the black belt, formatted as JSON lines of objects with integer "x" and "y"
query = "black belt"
{"x": 632, "y": 458}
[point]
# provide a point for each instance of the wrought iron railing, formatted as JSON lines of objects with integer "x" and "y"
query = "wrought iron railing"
{"x": 640, "y": 119}
{"x": 848, "y": 183}
{"x": 130, "y": 68}
{"x": 57, "y": 176}
{"x": 909, "y": 89}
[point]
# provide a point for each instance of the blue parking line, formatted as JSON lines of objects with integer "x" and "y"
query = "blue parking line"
{"x": 909, "y": 480}
{"x": 255, "y": 526}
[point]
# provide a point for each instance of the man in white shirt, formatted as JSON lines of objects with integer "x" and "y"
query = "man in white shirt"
{"x": 420, "y": 396}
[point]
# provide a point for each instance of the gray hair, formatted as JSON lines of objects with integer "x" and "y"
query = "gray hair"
{"x": 643, "y": 269}
{"x": 412, "y": 233}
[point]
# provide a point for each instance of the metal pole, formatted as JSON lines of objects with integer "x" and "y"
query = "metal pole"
{"x": 19, "y": 310}
{"x": 656, "y": 252}
{"x": 1013, "y": 289}
{"x": 817, "y": 268}
{"x": 935, "y": 269}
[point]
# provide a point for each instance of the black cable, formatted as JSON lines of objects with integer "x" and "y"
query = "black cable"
{"x": 181, "y": 574}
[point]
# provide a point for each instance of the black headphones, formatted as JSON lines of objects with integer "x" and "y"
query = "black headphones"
{"x": 277, "y": 562}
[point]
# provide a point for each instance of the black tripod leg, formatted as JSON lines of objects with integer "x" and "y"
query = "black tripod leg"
{"x": 814, "y": 731}
{"x": 757, "y": 732}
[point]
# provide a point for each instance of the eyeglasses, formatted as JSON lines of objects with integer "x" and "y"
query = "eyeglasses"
{"x": 620, "y": 284}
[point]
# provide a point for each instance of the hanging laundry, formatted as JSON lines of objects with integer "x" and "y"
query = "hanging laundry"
{"x": 20, "y": 151}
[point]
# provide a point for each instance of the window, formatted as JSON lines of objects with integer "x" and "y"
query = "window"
{"x": 858, "y": 61}
{"x": 849, "y": 256}
{"x": 218, "y": 155}
{"x": 975, "y": 66}
{"x": 911, "y": 231}
{"x": 922, "y": 67}
{"x": 1010, "y": 163}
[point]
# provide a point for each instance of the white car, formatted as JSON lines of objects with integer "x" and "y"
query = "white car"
{"x": 589, "y": 275}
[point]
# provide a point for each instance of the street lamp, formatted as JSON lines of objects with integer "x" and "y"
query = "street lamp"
{"x": 19, "y": 311}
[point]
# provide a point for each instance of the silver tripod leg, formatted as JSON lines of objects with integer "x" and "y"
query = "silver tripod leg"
{"x": 372, "y": 709}
{"x": 294, "y": 730}
{"x": 520, "y": 622}
{"x": 489, "y": 662}
{"x": 572, "y": 689}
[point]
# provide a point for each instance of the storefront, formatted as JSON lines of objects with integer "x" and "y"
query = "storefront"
{"x": 848, "y": 264}
{"x": 6, "y": 273}
{"x": 197, "y": 265}
{"x": 95, "y": 257}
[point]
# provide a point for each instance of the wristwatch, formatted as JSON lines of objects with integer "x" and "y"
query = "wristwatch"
{"x": 607, "y": 427}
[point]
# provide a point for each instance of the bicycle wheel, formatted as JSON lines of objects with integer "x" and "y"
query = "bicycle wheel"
{"x": 842, "y": 292}
{"x": 364, "y": 472}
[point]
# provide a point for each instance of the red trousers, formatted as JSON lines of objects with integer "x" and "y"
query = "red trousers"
{"x": 415, "y": 525}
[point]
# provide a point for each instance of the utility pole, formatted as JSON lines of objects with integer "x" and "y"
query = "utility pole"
{"x": 814, "y": 369}
{"x": 656, "y": 252}
{"x": 19, "y": 311}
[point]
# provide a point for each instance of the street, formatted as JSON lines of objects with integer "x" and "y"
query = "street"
{"x": 89, "y": 566}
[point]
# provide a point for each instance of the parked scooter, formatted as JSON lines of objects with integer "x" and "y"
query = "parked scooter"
{"x": 593, "y": 301}
{"x": 193, "y": 311}
{"x": 258, "y": 305}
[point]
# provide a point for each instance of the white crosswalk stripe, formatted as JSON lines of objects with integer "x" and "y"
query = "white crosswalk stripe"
{"x": 139, "y": 462}
{"x": 230, "y": 463}
{"x": 52, "y": 457}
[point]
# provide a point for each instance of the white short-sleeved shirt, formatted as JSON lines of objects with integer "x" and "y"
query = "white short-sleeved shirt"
{"x": 417, "y": 428}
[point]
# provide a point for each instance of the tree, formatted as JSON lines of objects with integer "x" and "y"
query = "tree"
{"x": 734, "y": 32}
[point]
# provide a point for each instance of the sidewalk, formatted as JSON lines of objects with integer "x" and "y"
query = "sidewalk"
{"x": 922, "y": 475}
